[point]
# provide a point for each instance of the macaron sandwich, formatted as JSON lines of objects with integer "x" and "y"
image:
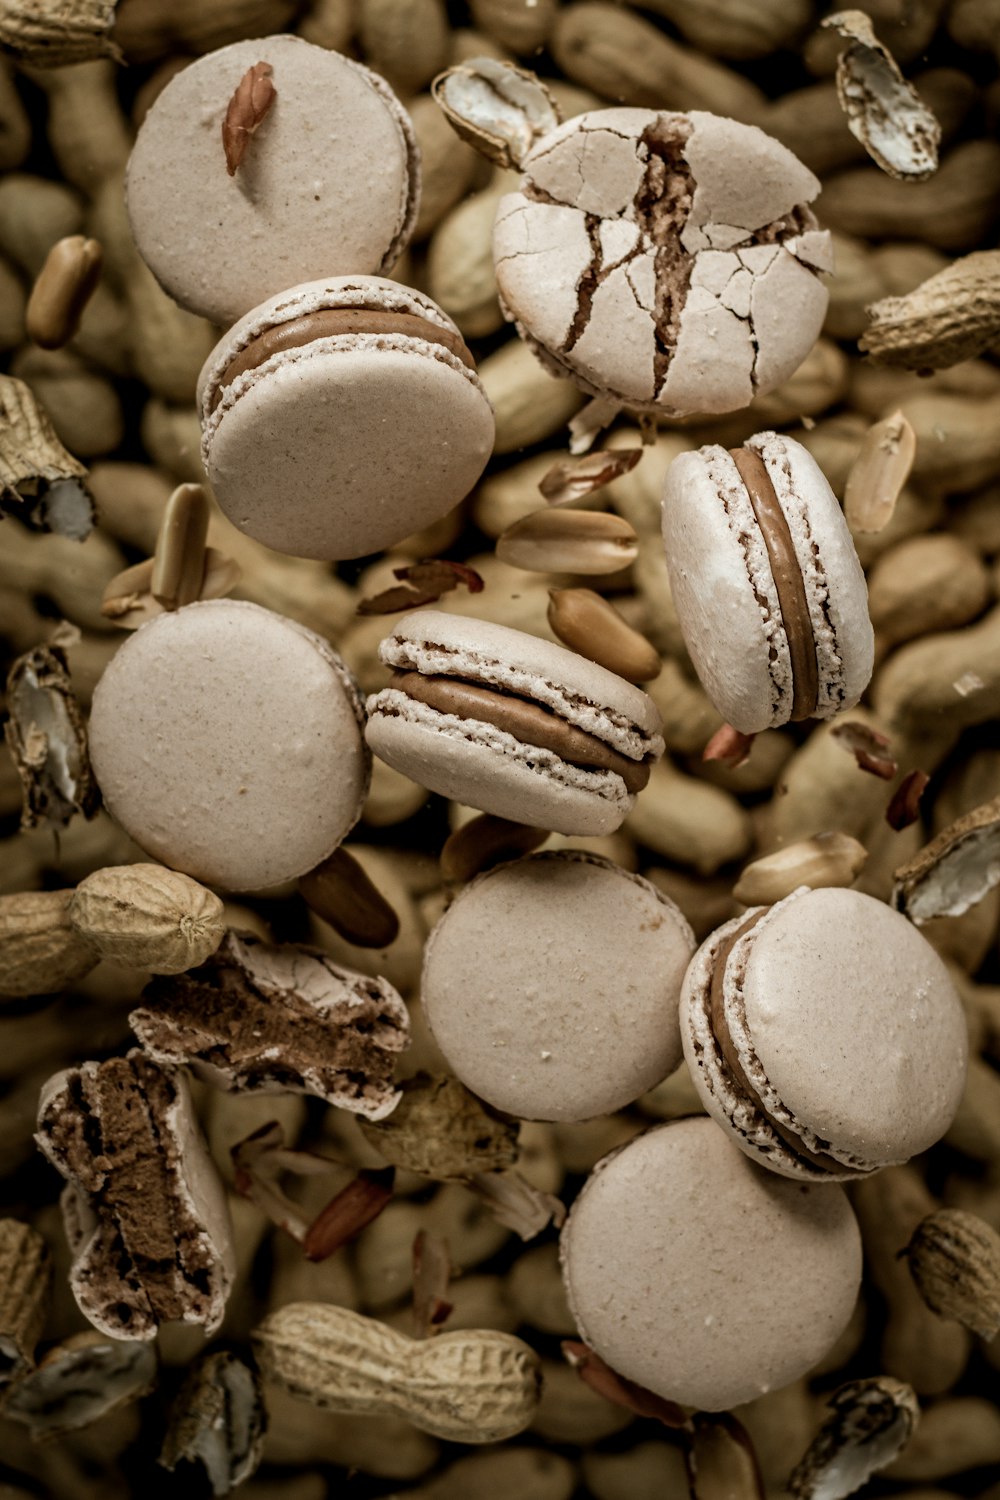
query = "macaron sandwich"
{"x": 824, "y": 1035}
{"x": 341, "y": 416}
{"x": 768, "y": 589}
{"x": 512, "y": 724}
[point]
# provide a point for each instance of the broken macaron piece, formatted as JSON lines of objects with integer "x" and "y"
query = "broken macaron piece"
{"x": 824, "y": 1035}
{"x": 145, "y": 1210}
{"x": 668, "y": 262}
{"x": 328, "y": 183}
{"x": 341, "y": 416}
{"x": 279, "y": 1019}
{"x": 511, "y": 724}
{"x": 767, "y": 585}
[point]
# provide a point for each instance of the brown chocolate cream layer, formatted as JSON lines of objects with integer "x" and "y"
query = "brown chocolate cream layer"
{"x": 332, "y": 322}
{"x": 523, "y": 719}
{"x": 738, "y": 1079}
{"x": 787, "y": 580}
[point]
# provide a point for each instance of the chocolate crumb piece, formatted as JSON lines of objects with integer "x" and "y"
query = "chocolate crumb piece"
{"x": 955, "y": 870}
{"x": 253, "y": 98}
{"x": 218, "y": 1422}
{"x": 871, "y": 1421}
{"x": 47, "y": 739}
{"x": 284, "y": 1019}
{"x": 79, "y": 1381}
{"x": 145, "y": 1211}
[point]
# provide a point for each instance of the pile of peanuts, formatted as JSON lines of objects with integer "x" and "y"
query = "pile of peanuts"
{"x": 120, "y": 396}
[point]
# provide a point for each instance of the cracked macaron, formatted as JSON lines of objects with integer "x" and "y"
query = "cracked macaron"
{"x": 767, "y": 585}
{"x": 551, "y": 986}
{"x": 670, "y": 262}
{"x": 341, "y": 416}
{"x": 227, "y": 741}
{"x": 329, "y": 183}
{"x": 702, "y": 1278}
{"x": 511, "y": 724}
{"x": 824, "y": 1035}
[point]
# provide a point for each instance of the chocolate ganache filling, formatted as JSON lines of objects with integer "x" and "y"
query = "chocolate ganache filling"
{"x": 332, "y": 322}
{"x": 787, "y": 580}
{"x": 526, "y": 721}
{"x": 737, "y": 1078}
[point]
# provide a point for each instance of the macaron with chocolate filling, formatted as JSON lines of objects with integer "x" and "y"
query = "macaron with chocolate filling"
{"x": 824, "y": 1035}
{"x": 511, "y": 724}
{"x": 767, "y": 585}
{"x": 341, "y": 416}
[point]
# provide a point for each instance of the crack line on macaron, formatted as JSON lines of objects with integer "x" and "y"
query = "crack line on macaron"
{"x": 661, "y": 208}
{"x": 525, "y": 720}
{"x": 788, "y": 580}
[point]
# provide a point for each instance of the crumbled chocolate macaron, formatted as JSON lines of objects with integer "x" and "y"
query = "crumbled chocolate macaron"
{"x": 669, "y": 262}
{"x": 512, "y": 724}
{"x": 145, "y": 1210}
{"x": 280, "y": 1020}
{"x": 341, "y": 416}
{"x": 825, "y": 1035}
{"x": 766, "y": 583}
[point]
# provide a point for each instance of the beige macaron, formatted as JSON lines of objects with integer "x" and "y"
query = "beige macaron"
{"x": 227, "y": 741}
{"x": 551, "y": 986}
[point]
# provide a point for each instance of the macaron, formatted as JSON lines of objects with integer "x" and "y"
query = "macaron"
{"x": 227, "y": 741}
{"x": 824, "y": 1035}
{"x": 551, "y": 986}
{"x": 766, "y": 583}
{"x": 695, "y": 1274}
{"x": 669, "y": 262}
{"x": 341, "y": 416}
{"x": 329, "y": 183}
{"x": 512, "y": 724}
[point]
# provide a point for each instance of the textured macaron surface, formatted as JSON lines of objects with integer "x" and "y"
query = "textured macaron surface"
{"x": 702, "y": 1278}
{"x": 346, "y": 442}
{"x": 845, "y": 1023}
{"x": 551, "y": 986}
{"x": 329, "y": 183}
{"x": 227, "y": 742}
{"x": 666, "y": 260}
{"x": 726, "y": 594}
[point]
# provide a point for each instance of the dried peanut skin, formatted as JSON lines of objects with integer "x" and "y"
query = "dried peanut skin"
{"x": 147, "y": 917}
{"x": 39, "y": 951}
{"x": 475, "y": 1386}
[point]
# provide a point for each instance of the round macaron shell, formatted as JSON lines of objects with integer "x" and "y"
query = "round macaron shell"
{"x": 349, "y": 443}
{"x": 551, "y": 986}
{"x": 847, "y": 1024}
{"x": 702, "y": 1278}
{"x": 227, "y": 742}
{"x": 329, "y": 184}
